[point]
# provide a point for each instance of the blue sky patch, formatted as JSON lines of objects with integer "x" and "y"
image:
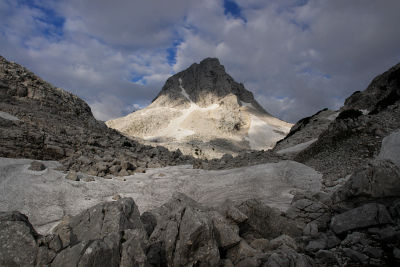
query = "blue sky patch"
{"x": 230, "y": 7}
{"x": 171, "y": 52}
{"x": 53, "y": 22}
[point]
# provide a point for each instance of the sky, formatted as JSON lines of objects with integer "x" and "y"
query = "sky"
{"x": 296, "y": 56}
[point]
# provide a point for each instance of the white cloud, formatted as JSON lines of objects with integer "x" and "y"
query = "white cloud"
{"x": 296, "y": 58}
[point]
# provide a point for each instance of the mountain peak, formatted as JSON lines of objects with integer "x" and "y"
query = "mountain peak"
{"x": 205, "y": 83}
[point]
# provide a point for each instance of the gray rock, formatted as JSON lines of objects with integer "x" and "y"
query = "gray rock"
{"x": 396, "y": 253}
{"x": 377, "y": 179}
{"x": 311, "y": 229}
{"x": 228, "y": 210}
{"x": 365, "y": 216}
{"x": 248, "y": 262}
{"x": 356, "y": 256}
{"x": 240, "y": 252}
{"x": 316, "y": 244}
{"x": 134, "y": 248}
{"x": 72, "y": 175}
{"x": 227, "y": 234}
{"x": 289, "y": 258}
{"x": 115, "y": 169}
{"x": 283, "y": 241}
{"x": 103, "y": 219}
{"x": 88, "y": 179}
{"x": 386, "y": 234}
{"x": 18, "y": 245}
{"x": 326, "y": 257}
{"x": 37, "y": 166}
{"x": 261, "y": 244}
{"x": 310, "y": 207}
{"x": 186, "y": 231}
{"x": 266, "y": 222}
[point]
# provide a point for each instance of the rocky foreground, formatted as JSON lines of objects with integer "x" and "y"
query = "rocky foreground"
{"x": 359, "y": 224}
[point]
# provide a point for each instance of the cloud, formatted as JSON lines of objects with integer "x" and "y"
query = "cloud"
{"x": 296, "y": 56}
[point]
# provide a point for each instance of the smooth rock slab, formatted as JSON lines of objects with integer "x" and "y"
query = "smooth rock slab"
{"x": 365, "y": 216}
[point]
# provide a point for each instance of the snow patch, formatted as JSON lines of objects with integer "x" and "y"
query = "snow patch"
{"x": 8, "y": 116}
{"x": 174, "y": 128}
{"x": 245, "y": 104}
{"x": 296, "y": 148}
{"x": 333, "y": 116}
{"x": 261, "y": 135}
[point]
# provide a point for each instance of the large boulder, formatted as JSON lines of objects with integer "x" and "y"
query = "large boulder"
{"x": 376, "y": 180}
{"x": 266, "y": 222}
{"x": 99, "y": 234}
{"x": 309, "y": 207}
{"x": 188, "y": 234}
{"x": 368, "y": 215}
{"x": 18, "y": 246}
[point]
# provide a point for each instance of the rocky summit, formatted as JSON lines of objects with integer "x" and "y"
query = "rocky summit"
{"x": 76, "y": 193}
{"x": 206, "y": 114}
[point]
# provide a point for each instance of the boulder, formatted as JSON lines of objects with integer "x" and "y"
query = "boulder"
{"x": 72, "y": 175}
{"x": 368, "y": 215}
{"x": 134, "y": 248}
{"x": 289, "y": 258}
{"x": 308, "y": 207}
{"x": 377, "y": 179}
{"x": 37, "y": 166}
{"x": 18, "y": 246}
{"x": 266, "y": 222}
{"x": 104, "y": 219}
{"x": 184, "y": 234}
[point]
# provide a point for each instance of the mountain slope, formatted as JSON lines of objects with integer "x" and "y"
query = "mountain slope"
{"x": 357, "y": 132}
{"x": 40, "y": 121}
{"x": 203, "y": 111}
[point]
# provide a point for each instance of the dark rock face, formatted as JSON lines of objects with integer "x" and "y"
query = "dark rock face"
{"x": 307, "y": 129}
{"x": 383, "y": 91}
{"x": 378, "y": 180}
{"x": 365, "y": 216}
{"x": 206, "y": 83}
{"x": 356, "y": 134}
{"x": 56, "y": 125}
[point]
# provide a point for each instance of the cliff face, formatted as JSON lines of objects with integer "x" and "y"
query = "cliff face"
{"x": 40, "y": 121}
{"x": 204, "y": 112}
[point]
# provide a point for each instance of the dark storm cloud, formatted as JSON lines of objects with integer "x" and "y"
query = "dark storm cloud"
{"x": 297, "y": 56}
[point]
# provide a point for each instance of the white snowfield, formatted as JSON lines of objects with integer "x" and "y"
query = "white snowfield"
{"x": 46, "y": 196}
{"x": 262, "y": 133}
{"x": 8, "y": 116}
{"x": 189, "y": 126}
{"x": 296, "y": 148}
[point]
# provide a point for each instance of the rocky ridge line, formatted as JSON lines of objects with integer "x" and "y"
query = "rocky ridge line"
{"x": 40, "y": 121}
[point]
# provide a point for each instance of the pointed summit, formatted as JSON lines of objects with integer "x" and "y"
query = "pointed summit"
{"x": 203, "y": 111}
{"x": 206, "y": 83}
